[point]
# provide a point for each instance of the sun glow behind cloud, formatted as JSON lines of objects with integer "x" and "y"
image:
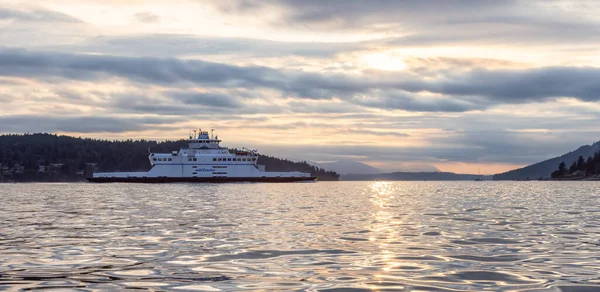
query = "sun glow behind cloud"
{"x": 384, "y": 61}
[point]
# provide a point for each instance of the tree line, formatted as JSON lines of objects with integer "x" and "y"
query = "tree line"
{"x": 65, "y": 156}
{"x": 580, "y": 167}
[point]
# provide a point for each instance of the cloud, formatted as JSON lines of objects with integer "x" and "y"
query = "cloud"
{"x": 352, "y": 13}
{"x": 435, "y": 22}
{"x": 199, "y": 105}
{"x": 374, "y": 133}
{"x": 411, "y": 102}
{"x": 322, "y": 107}
{"x": 17, "y": 62}
{"x": 146, "y": 17}
{"x": 205, "y": 99}
{"x": 519, "y": 85}
{"x": 510, "y": 146}
{"x": 476, "y": 89}
{"x": 468, "y": 147}
{"x": 36, "y": 15}
{"x": 80, "y": 124}
{"x": 181, "y": 45}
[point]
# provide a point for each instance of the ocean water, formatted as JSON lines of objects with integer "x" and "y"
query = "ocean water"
{"x": 324, "y": 236}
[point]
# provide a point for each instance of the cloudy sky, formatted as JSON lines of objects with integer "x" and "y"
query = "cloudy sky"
{"x": 462, "y": 85}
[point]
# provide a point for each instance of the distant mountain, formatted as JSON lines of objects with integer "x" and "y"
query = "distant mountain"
{"x": 413, "y": 167}
{"x": 347, "y": 167}
{"x": 412, "y": 176}
{"x": 357, "y": 167}
{"x": 545, "y": 168}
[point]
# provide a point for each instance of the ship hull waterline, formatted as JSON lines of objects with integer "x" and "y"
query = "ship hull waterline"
{"x": 198, "y": 179}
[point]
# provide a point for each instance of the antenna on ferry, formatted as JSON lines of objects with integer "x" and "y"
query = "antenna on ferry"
{"x": 195, "y": 134}
{"x": 211, "y": 133}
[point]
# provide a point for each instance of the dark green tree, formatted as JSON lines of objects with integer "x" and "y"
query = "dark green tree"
{"x": 573, "y": 167}
{"x": 589, "y": 168}
{"x": 581, "y": 163}
{"x": 562, "y": 167}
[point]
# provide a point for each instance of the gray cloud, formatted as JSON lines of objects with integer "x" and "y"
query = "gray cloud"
{"x": 37, "y": 15}
{"x": 408, "y": 102}
{"x": 322, "y": 107}
{"x": 205, "y": 99}
{"x": 375, "y": 133}
{"x": 190, "y": 104}
{"x": 513, "y": 147}
{"x": 17, "y": 62}
{"x": 79, "y": 124}
{"x": 169, "y": 45}
{"x": 470, "y": 147}
{"x": 351, "y": 13}
{"x": 523, "y": 85}
{"x": 465, "y": 91}
{"x": 438, "y": 22}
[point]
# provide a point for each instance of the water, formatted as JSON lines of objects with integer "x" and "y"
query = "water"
{"x": 330, "y": 236}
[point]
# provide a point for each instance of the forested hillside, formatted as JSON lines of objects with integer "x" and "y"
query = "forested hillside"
{"x": 545, "y": 168}
{"x": 48, "y": 157}
{"x": 581, "y": 169}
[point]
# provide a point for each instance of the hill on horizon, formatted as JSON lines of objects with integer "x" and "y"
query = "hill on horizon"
{"x": 346, "y": 166}
{"x": 544, "y": 168}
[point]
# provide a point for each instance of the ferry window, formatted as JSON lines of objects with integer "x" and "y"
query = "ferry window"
{"x": 214, "y": 159}
{"x": 154, "y": 159}
{"x": 160, "y": 159}
{"x": 228, "y": 159}
{"x": 194, "y": 166}
{"x": 170, "y": 159}
{"x": 189, "y": 159}
{"x": 243, "y": 159}
{"x": 195, "y": 159}
{"x": 219, "y": 159}
{"x": 194, "y": 173}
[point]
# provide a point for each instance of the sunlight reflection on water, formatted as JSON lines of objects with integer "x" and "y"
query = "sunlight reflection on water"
{"x": 413, "y": 236}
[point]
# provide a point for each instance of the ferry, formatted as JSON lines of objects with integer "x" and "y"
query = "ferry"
{"x": 204, "y": 160}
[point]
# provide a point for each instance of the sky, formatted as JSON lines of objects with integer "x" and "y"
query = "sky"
{"x": 463, "y": 85}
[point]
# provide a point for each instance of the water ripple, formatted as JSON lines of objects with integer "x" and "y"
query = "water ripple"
{"x": 328, "y": 236}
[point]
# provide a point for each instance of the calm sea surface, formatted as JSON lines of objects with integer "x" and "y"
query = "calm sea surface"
{"x": 324, "y": 236}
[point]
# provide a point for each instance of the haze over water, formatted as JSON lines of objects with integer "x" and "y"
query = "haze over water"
{"x": 416, "y": 236}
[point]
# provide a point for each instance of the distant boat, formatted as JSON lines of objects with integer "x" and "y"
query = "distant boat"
{"x": 479, "y": 176}
{"x": 203, "y": 161}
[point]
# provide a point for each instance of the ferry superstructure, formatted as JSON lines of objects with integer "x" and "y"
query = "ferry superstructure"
{"x": 205, "y": 160}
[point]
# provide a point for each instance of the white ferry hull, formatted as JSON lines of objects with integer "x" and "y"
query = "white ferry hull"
{"x": 197, "y": 179}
